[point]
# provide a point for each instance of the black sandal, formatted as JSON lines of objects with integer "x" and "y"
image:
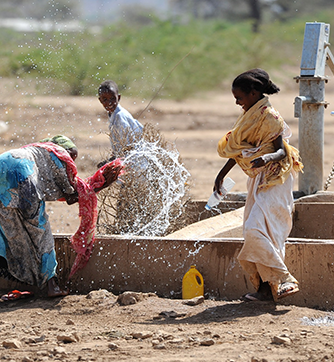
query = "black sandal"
{"x": 263, "y": 294}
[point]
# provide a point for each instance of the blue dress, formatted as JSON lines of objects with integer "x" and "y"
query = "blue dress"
{"x": 28, "y": 177}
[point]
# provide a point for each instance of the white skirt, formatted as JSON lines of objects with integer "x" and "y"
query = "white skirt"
{"x": 267, "y": 224}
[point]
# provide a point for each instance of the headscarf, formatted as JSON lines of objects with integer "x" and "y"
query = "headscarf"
{"x": 252, "y": 136}
{"x": 60, "y": 140}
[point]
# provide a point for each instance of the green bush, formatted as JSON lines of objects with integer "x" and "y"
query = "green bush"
{"x": 140, "y": 59}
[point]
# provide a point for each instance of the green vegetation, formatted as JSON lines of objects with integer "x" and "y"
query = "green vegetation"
{"x": 140, "y": 58}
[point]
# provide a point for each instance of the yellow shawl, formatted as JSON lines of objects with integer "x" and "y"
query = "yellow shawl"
{"x": 252, "y": 136}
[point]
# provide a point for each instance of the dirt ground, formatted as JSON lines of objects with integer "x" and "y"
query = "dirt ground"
{"x": 96, "y": 327}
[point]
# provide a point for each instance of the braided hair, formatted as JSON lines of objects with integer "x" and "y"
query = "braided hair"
{"x": 255, "y": 79}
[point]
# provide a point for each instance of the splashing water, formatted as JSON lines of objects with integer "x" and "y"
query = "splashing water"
{"x": 161, "y": 169}
{"x": 152, "y": 198}
{"x": 326, "y": 321}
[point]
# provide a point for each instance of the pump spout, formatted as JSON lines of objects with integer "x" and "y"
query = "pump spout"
{"x": 299, "y": 104}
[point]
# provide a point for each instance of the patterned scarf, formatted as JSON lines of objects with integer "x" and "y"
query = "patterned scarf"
{"x": 252, "y": 136}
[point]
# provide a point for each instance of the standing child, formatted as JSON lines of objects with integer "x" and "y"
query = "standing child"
{"x": 258, "y": 143}
{"x": 124, "y": 129}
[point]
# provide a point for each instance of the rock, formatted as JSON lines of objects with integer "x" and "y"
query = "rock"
{"x": 36, "y": 339}
{"x": 171, "y": 314}
{"x": 142, "y": 335}
{"x": 194, "y": 301}
{"x": 12, "y": 343}
{"x": 162, "y": 335}
{"x": 40, "y": 339}
{"x": 99, "y": 294}
{"x": 42, "y": 353}
{"x": 207, "y": 342}
{"x": 281, "y": 340}
{"x": 27, "y": 359}
{"x": 113, "y": 346}
{"x": 59, "y": 350}
{"x": 160, "y": 346}
{"x": 115, "y": 334}
{"x": 176, "y": 341}
{"x": 128, "y": 298}
{"x": 68, "y": 338}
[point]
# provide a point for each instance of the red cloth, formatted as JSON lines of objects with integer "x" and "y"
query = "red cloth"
{"x": 83, "y": 239}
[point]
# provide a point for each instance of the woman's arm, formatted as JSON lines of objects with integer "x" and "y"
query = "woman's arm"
{"x": 110, "y": 173}
{"x": 278, "y": 155}
{"x": 71, "y": 198}
{"x": 223, "y": 172}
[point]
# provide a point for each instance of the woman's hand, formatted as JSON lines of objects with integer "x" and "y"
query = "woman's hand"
{"x": 110, "y": 174}
{"x": 278, "y": 155}
{"x": 259, "y": 162}
{"x": 222, "y": 173}
{"x": 71, "y": 198}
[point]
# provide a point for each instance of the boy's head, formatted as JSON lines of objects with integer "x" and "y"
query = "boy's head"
{"x": 108, "y": 95}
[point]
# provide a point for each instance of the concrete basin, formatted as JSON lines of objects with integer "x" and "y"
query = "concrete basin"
{"x": 123, "y": 263}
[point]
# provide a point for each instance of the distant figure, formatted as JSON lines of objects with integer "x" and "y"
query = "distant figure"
{"x": 258, "y": 143}
{"x": 124, "y": 129}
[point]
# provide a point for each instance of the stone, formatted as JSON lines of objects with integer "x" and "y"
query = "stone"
{"x": 207, "y": 342}
{"x": 160, "y": 346}
{"x": 194, "y": 301}
{"x": 40, "y": 339}
{"x": 172, "y": 314}
{"x": 59, "y": 350}
{"x": 12, "y": 343}
{"x": 99, "y": 294}
{"x": 129, "y": 298}
{"x": 176, "y": 341}
{"x": 142, "y": 335}
{"x": 27, "y": 359}
{"x": 155, "y": 342}
{"x": 113, "y": 346}
{"x": 68, "y": 338}
{"x": 281, "y": 340}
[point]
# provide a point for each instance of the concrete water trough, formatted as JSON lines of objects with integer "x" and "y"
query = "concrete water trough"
{"x": 157, "y": 264}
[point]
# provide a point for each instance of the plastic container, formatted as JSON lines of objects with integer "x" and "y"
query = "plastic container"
{"x": 215, "y": 198}
{"x": 192, "y": 284}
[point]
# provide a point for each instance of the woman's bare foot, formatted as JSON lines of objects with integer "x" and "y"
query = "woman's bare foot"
{"x": 54, "y": 289}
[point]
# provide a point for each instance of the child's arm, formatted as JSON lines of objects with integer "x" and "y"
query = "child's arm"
{"x": 223, "y": 172}
{"x": 278, "y": 155}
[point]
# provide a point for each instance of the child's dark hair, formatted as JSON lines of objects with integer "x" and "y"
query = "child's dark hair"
{"x": 256, "y": 79}
{"x": 108, "y": 86}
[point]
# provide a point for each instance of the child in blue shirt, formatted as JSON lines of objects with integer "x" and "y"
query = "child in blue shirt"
{"x": 124, "y": 129}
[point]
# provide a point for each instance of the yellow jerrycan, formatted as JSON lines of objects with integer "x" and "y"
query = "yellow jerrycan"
{"x": 192, "y": 284}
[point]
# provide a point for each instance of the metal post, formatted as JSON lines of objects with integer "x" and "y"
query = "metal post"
{"x": 311, "y": 134}
{"x": 310, "y": 104}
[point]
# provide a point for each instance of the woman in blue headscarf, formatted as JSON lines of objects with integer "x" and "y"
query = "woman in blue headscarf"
{"x": 29, "y": 176}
